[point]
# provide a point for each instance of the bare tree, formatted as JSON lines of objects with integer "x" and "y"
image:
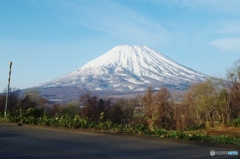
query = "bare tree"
{"x": 158, "y": 109}
{"x": 233, "y": 78}
{"x": 93, "y": 107}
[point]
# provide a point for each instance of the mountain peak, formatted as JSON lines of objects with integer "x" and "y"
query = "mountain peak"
{"x": 129, "y": 68}
{"x": 123, "y": 55}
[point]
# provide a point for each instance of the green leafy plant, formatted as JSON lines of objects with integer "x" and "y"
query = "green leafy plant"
{"x": 235, "y": 122}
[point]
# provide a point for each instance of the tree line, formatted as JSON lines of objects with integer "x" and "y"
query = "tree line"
{"x": 211, "y": 103}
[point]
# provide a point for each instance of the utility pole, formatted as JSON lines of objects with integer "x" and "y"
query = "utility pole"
{"x": 7, "y": 94}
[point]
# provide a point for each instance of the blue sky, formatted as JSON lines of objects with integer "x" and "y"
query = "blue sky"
{"x": 46, "y": 39}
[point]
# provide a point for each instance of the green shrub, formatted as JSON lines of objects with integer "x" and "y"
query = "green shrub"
{"x": 160, "y": 132}
{"x": 44, "y": 120}
{"x": 235, "y": 122}
{"x": 197, "y": 127}
{"x": 140, "y": 129}
{"x": 200, "y": 137}
{"x": 104, "y": 125}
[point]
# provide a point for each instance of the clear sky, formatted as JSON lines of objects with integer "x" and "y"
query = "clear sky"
{"x": 46, "y": 39}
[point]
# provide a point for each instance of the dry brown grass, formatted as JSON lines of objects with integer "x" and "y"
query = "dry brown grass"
{"x": 229, "y": 131}
{"x": 217, "y": 131}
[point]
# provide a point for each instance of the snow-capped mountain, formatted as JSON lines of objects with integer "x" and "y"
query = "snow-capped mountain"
{"x": 128, "y": 68}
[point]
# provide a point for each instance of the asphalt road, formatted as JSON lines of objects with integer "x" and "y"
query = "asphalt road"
{"x": 34, "y": 142}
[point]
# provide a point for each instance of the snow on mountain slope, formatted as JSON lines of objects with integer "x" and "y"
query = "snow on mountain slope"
{"x": 126, "y": 68}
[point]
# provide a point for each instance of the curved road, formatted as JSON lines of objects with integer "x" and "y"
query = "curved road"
{"x": 36, "y": 142}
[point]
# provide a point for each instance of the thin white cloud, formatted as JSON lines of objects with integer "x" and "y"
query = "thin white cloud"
{"x": 219, "y": 6}
{"x": 226, "y": 6}
{"x": 227, "y": 44}
{"x": 115, "y": 19}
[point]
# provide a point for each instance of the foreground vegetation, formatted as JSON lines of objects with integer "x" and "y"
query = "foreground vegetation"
{"x": 76, "y": 122}
{"x": 206, "y": 105}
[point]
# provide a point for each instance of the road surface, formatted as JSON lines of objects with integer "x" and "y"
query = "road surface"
{"x": 36, "y": 142}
